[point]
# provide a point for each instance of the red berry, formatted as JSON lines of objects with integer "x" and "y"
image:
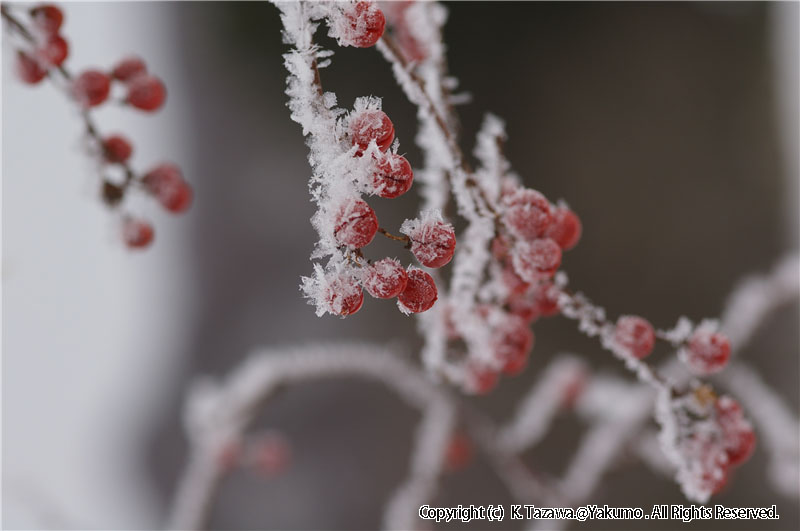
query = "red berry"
{"x": 271, "y": 454}
{"x": 459, "y": 452}
{"x": 128, "y": 68}
{"x": 54, "y": 51}
{"x": 433, "y": 242}
{"x": 546, "y": 295}
{"x": 355, "y": 224}
{"x": 146, "y": 92}
{"x": 527, "y": 214}
{"x": 229, "y": 455}
{"x": 634, "y": 336}
{"x": 117, "y": 148}
{"x": 28, "y": 69}
{"x": 137, "y": 233}
{"x": 574, "y": 389}
{"x": 343, "y": 296}
{"x": 512, "y": 342}
{"x": 709, "y": 462}
{"x": 566, "y": 228}
{"x": 91, "y": 88}
{"x": 370, "y": 125}
{"x": 366, "y": 23}
{"x": 481, "y": 380}
{"x": 536, "y": 259}
{"x": 739, "y": 438}
{"x": 178, "y": 199}
{"x": 513, "y": 282}
{"x": 420, "y": 292}
{"x": 394, "y": 176}
{"x": 47, "y": 18}
{"x": 707, "y": 352}
{"x": 524, "y": 306}
{"x": 166, "y": 183}
{"x": 385, "y": 279}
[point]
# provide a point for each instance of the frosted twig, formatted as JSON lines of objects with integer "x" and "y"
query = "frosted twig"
{"x": 217, "y": 413}
{"x": 779, "y": 428}
{"x": 757, "y": 296}
{"x": 538, "y": 407}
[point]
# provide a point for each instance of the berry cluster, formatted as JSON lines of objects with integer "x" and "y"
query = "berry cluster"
{"x": 369, "y": 135}
{"x": 46, "y": 49}
{"x": 526, "y": 253}
{"x": 42, "y": 52}
{"x": 717, "y": 439}
{"x": 705, "y": 350}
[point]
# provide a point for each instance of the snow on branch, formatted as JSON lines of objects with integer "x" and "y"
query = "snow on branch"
{"x": 218, "y": 413}
{"x": 505, "y": 271}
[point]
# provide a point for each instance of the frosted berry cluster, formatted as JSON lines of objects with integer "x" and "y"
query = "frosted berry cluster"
{"x": 526, "y": 253}
{"x": 354, "y": 155}
{"x": 367, "y": 165}
{"x": 41, "y": 52}
{"x": 711, "y": 437}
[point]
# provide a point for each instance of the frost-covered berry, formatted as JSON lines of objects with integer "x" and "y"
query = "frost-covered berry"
{"x": 513, "y": 283}
{"x": 385, "y": 279}
{"x": 47, "y": 18}
{"x": 480, "y": 380}
{"x": 634, "y": 336}
{"x": 739, "y": 439}
{"x": 527, "y": 214}
{"x": 54, "y": 51}
{"x": 28, "y": 69}
{"x": 116, "y": 149}
{"x": 459, "y": 452}
{"x": 91, "y": 88}
{"x": 536, "y": 259}
{"x": 137, "y": 233}
{"x": 343, "y": 295}
{"x": 366, "y": 23}
{"x": 512, "y": 342}
{"x": 523, "y": 306}
{"x": 166, "y": 183}
{"x": 128, "y": 68}
{"x": 706, "y": 352}
{"x": 146, "y": 92}
{"x": 393, "y": 177}
{"x": 420, "y": 293}
{"x": 565, "y": 229}
{"x": 355, "y": 224}
{"x": 433, "y": 241}
{"x": 546, "y": 295}
{"x": 370, "y": 125}
{"x": 707, "y": 466}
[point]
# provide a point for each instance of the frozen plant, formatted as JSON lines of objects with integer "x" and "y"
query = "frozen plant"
{"x": 503, "y": 268}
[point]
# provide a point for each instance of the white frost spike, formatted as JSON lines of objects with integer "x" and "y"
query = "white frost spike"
{"x": 494, "y": 165}
{"x": 329, "y": 290}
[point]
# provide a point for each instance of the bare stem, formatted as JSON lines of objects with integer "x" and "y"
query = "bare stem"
{"x": 404, "y": 239}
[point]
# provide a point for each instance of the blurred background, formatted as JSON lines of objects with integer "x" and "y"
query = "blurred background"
{"x": 670, "y": 128}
